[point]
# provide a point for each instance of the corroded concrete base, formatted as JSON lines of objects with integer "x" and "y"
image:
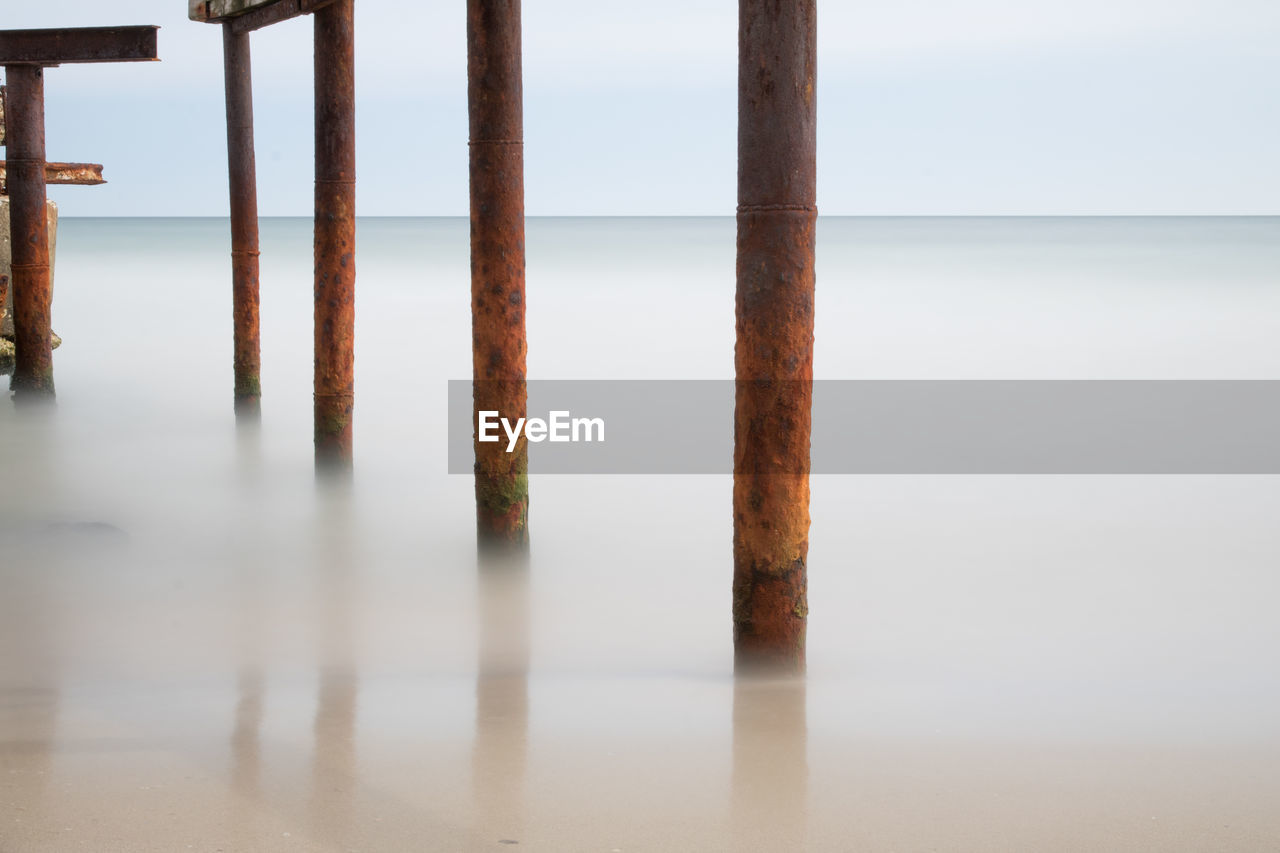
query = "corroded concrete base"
{"x": 8, "y": 352}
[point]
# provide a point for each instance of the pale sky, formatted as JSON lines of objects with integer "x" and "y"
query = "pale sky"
{"x": 925, "y": 107}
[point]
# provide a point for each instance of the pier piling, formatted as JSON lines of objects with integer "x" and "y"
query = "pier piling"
{"x": 777, "y": 214}
{"x": 243, "y": 185}
{"x": 24, "y": 138}
{"x": 498, "y": 345}
{"x": 335, "y": 232}
{"x": 335, "y": 208}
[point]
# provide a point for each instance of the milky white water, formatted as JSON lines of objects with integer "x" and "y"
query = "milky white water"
{"x": 200, "y": 649}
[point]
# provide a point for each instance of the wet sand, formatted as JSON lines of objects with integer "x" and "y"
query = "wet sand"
{"x": 448, "y": 764}
{"x": 309, "y": 689}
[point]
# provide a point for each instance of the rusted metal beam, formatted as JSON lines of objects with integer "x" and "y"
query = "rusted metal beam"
{"x": 282, "y": 11}
{"x": 78, "y": 44}
{"x": 777, "y": 213}
{"x": 245, "y": 16}
{"x": 498, "y": 346}
{"x": 335, "y": 233}
{"x": 2, "y": 91}
{"x": 80, "y": 174}
{"x": 243, "y": 186}
{"x": 217, "y": 11}
{"x": 33, "y": 336}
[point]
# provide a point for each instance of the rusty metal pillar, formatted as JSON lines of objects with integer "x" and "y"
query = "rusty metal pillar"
{"x": 777, "y": 47}
{"x": 243, "y": 184}
{"x": 335, "y": 233}
{"x": 33, "y": 336}
{"x": 498, "y": 346}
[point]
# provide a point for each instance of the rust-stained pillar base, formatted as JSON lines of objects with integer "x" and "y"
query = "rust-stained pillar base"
{"x": 335, "y": 233}
{"x": 777, "y": 46}
{"x": 33, "y": 336}
{"x": 242, "y": 180}
{"x": 494, "y": 96}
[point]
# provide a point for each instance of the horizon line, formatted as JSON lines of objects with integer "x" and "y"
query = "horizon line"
{"x": 718, "y": 216}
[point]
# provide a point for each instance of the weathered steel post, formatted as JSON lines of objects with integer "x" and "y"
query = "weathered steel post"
{"x": 335, "y": 208}
{"x": 243, "y": 183}
{"x": 498, "y": 347}
{"x": 777, "y": 47}
{"x": 33, "y": 334}
{"x": 335, "y": 232}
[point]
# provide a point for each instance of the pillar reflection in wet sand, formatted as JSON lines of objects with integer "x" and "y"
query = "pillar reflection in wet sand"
{"x": 499, "y": 753}
{"x": 28, "y": 739}
{"x": 769, "y": 800}
{"x": 34, "y": 618}
{"x": 333, "y": 767}
{"x": 29, "y": 692}
{"x": 246, "y": 753}
{"x": 247, "y": 624}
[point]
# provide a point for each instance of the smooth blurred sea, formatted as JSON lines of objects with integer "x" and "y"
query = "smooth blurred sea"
{"x": 1122, "y": 610}
{"x": 144, "y": 438}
